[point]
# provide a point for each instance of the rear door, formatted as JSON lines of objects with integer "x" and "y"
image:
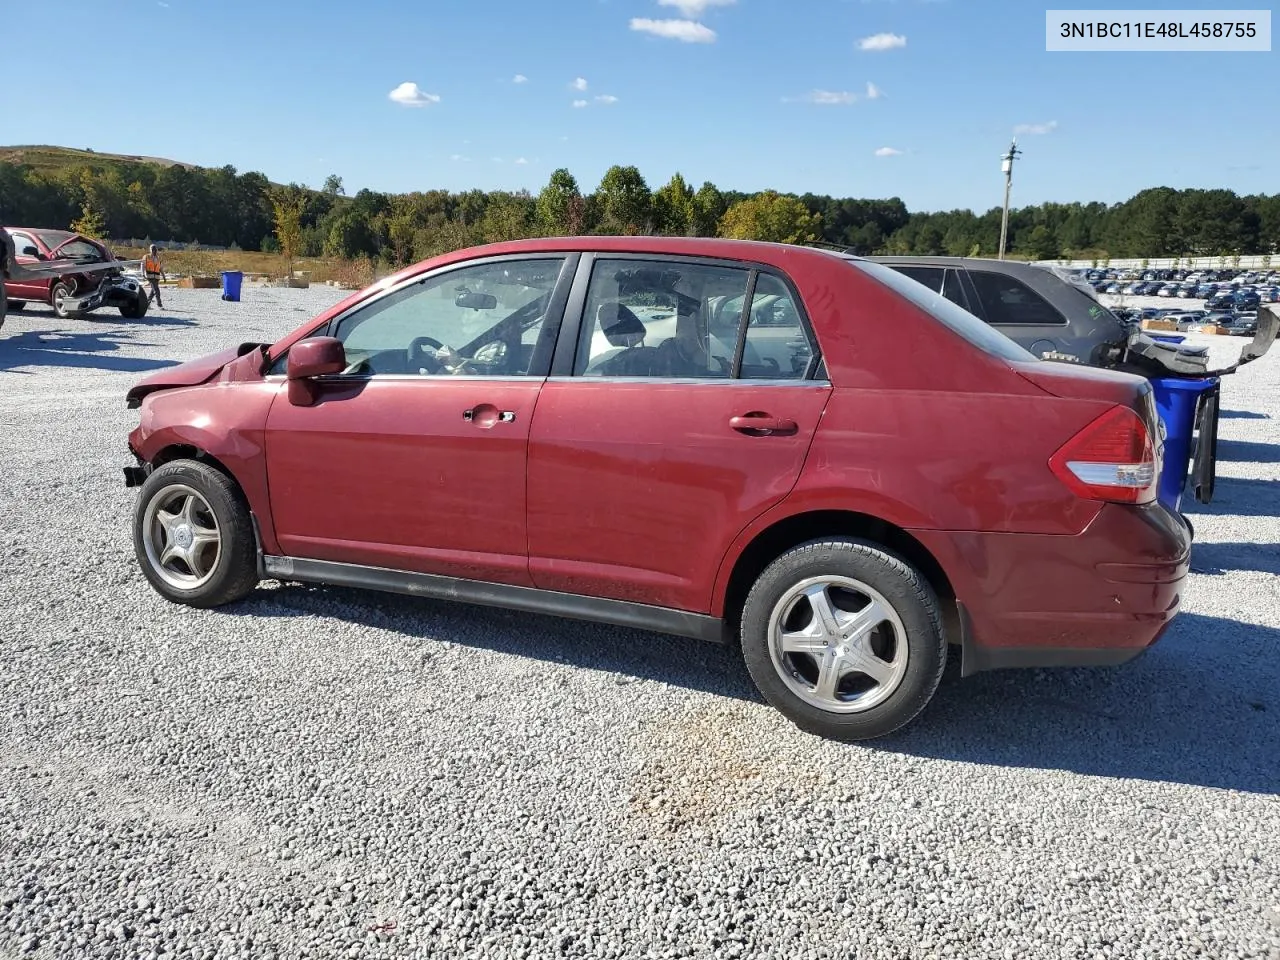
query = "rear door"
{"x": 682, "y": 406}
{"x": 23, "y": 244}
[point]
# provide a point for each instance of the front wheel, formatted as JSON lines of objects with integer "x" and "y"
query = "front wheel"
{"x": 136, "y": 310}
{"x": 193, "y": 535}
{"x": 63, "y": 291}
{"x": 844, "y": 638}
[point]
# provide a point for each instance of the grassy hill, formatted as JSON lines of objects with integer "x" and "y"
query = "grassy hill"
{"x": 58, "y": 158}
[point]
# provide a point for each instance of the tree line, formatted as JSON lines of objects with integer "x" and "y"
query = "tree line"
{"x": 221, "y": 207}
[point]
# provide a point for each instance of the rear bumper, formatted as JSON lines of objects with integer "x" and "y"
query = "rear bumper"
{"x": 1099, "y": 598}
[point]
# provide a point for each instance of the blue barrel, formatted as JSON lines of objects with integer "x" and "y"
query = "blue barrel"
{"x": 1177, "y": 401}
{"x": 231, "y": 280}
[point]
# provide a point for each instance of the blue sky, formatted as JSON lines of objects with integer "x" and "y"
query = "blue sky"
{"x": 757, "y": 94}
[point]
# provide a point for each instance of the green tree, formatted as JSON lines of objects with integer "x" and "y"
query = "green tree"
{"x": 89, "y": 223}
{"x": 1042, "y": 244}
{"x": 625, "y": 201}
{"x": 770, "y": 216}
{"x": 287, "y": 204}
{"x": 673, "y": 211}
{"x": 708, "y": 207}
{"x": 559, "y": 205}
{"x": 333, "y": 186}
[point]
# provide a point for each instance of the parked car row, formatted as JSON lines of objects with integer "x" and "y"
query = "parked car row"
{"x": 1242, "y": 323}
{"x": 1096, "y": 275}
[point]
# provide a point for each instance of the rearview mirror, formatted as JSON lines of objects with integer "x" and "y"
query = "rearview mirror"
{"x": 476, "y": 301}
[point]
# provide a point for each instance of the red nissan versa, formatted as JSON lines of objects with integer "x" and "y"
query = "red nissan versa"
{"x": 803, "y": 451}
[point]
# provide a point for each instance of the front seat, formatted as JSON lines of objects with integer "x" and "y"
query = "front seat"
{"x": 625, "y": 332}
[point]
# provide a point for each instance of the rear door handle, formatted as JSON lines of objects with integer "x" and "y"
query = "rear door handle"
{"x": 763, "y": 425}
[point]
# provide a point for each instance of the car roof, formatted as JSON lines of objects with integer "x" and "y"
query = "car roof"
{"x": 1015, "y": 268}
{"x": 49, "y": 236}
{"x": 775, "y": 254}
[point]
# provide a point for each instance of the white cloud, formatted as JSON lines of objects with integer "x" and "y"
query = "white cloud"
{"x": 411, "y": 95}
{"x": 686, "y": 31}
{"x": 888, "y": 152}
{"x": 873, "y": 92}
{"x": 519, "y": 78}
{"x": 1036, "y": 128}
{"x": 606, "y": 99}
{"x": 521, "y": 162}
{"x": 695, "y": 8}
{"x": 882, "y": 41}
{"x": 579, "y": 84}
{"x": 579, "y": 104}
{"x": 830, "y": 98}
{"x": 459, "y": 158}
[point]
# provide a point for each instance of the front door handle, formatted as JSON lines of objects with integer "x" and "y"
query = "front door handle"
{"x": 486, "y": 415}
{"x": 757, "y": 424}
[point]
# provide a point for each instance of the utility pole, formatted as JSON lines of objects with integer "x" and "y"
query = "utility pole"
{"x": 1006, "y": 167}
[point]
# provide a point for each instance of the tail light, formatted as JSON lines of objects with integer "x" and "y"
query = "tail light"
{"x": 1113, "y": 458}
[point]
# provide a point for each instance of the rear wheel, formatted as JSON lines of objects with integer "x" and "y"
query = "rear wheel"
{"x": 844, "y": 638}
{"x": 62, "y": 291}
{"x": 193, "y": 536}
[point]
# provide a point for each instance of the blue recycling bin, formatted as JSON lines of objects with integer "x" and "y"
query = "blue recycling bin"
{"x": 1177, "y": 401}
{"x": 1168, "y": 337}
{"x": 231, "y": 280}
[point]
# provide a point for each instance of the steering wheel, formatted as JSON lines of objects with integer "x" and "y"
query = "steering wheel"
{"x": 419, "y": 359}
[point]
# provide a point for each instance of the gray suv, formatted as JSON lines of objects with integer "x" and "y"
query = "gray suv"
{"x": 1045, "y": 311}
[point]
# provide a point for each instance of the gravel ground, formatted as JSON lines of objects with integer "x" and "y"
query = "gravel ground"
{"x": 323, "y": 773}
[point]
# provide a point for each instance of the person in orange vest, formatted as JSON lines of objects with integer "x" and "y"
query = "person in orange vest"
{"x": 153, "y": 269}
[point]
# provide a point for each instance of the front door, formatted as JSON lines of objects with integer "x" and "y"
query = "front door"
{"x": 677, "y": 427}
{"x": 414, "y": 457}
{"x": 37, "y": 289}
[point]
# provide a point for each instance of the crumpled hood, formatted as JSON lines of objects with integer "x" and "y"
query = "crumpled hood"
{"x": 188, "y": 374}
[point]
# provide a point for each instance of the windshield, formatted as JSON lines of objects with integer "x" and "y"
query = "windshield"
{"x": 952, "y": 315}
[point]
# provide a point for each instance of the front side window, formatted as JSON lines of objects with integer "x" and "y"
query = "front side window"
{"x": 1008, "y": 301}
{"x": 482, "y": 320}
{"x": 666, "y": 319}
{"x": 81, "y": 250}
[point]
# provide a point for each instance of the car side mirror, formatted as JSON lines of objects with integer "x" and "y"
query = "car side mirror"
{"x": 476, "y": 301}
{"x": 310, "y": 358}
{"x": 30, "y": 252}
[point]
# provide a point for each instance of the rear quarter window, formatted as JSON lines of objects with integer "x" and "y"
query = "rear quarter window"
{"x": 949, "y": 314}
{"x": 1008, "y": 301}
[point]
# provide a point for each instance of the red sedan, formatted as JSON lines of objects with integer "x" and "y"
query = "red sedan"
{"x": 799, "y": 451}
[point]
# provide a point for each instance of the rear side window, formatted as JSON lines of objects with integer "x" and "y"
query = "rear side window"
{"x": 1008, "y": 301}
{"x": 938, "y": 279}
{"x": 959, "y": 320}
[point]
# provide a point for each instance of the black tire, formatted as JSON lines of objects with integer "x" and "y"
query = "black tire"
{"x": 909, "y": 597}
{"x": 136, "y": 310}
{"x": 61, "y": 290}
{"x": 16, "y": 305}
{"x": 234, "y": 572}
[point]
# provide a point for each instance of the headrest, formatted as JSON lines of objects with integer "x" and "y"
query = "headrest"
{"x": 620, "y": 326}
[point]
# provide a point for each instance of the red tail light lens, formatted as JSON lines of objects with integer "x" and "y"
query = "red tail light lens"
{"x": 1113, "y": 459}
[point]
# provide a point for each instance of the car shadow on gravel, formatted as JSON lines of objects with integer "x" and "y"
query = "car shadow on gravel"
{"x": 634, "y": 654}
{"x": 60, "y": 349}
{"x": 1179, "y": 714}
{"x": 1223, "y": 558}
{"x": 1247, "y": 451}
{"x": 1242, "y": 415}
{"x": 1202, "y": 707}
{"x": 1234, "y": 496}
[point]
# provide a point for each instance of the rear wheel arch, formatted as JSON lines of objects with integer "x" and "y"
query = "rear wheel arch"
{"x": 789, "y": 532}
